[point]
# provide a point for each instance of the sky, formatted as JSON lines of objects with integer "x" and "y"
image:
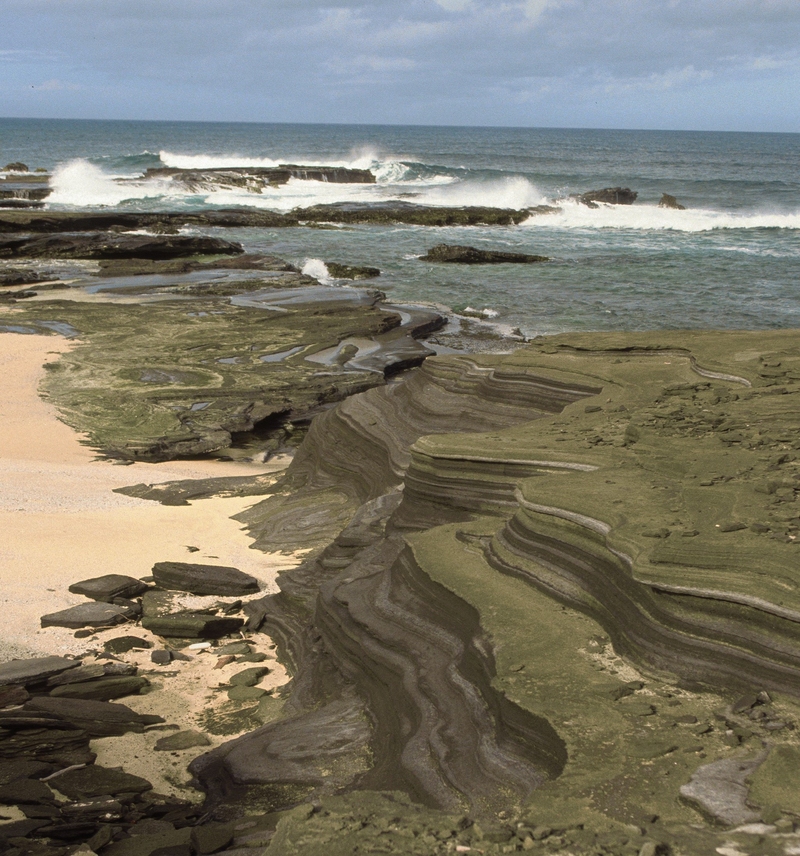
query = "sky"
{"x": 661, "y": 64}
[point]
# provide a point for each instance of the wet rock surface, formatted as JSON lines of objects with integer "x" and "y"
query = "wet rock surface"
{"x": 105, "y": 246}
{"x": 457, "y": 254}
{"x": 609, "y": 196}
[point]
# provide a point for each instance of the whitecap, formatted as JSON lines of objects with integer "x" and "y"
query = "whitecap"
{"x": 80, "y": 183}
{"x": 316, "y": 268}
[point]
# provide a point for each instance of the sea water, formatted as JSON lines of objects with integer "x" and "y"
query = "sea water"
{"x": 730, "y": 260}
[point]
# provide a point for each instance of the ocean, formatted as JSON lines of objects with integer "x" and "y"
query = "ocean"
{"x": 730, "y": 260}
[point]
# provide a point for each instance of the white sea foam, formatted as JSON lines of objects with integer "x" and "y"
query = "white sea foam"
{"x": 573, "y": 215}
{"x": 512, "y": 192}
{"x": 79, "y": 183}
{"x": 481, "y": 313}
{"x": 316, "y": 268}
{"x": 362, "y": 158}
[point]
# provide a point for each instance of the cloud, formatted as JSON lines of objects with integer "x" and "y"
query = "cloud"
{"x": 455, "y": 5}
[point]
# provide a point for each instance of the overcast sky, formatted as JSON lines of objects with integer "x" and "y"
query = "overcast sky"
{"x": 681, "y": 64}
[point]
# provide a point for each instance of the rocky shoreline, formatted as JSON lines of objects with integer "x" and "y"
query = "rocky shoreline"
{"x": 547, "y": 601}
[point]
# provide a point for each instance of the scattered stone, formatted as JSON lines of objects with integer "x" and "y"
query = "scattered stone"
{"x": 456, "y": 254}
{"x": 732, "y": 526}
{"x": 95, "y": 614}
{"x": 248, "y": 677}
{"x": 224, "y": 661}
{"x": 161, "y": 657}
{"x": 204, "y": 579}
{"x": 35, "y": 670}
{"x": 245, "y": 693}
{"x": 123, "y": 644}
{"x": 234, "y": 648}
{"x": 107, "y": 587}
{"x": 103, "y": 689}
{"x": 182, "y": 740}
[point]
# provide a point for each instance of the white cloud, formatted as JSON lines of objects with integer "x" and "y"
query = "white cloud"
{"x": 455, "y": 5}
{"x": 56, "y": 85}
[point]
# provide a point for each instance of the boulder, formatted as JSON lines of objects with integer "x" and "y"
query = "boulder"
{"x": 455, "y": 254}
{"x": 95, "y": 614}
{"x": 96, "y": 718}
{"x": 16, "y": 166}
{"x": 719, "y": 790}
{"x": 192, "y": 625}
{"x": 203, "y": 579}
{"x": 609, "y": 195}
{"x": 248, "y": 677}
{"x": 668, "y": 201}
{"x": 107, "y": 587}
{"x": 34, "y": 671}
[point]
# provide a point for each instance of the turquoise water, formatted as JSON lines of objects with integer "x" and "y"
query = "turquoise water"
{"x": 732, "y": 259}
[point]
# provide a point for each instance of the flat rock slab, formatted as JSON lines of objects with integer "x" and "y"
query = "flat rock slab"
{"x": 34, "y": 670}
{"x": 248, "y": 677}
{"x": 172, "y": 843}
{"x": 102, "y": 689}
{"x": 719, "y": 790}
{"x": 204, "y": 579}
{"x": 463, "y": 255}
{"x": 123, "y": 644}
{"x": 109, "y": 586}
{"x": 96, "y": 718}
{"x": 192, "y": 625}
{"x": 95, "y": 781}
{"x": 94, "y": 614}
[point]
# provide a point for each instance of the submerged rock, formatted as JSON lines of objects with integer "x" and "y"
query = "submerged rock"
{"x": 471, "y": 256}
{"x": 339, "y": 271}
{"x": 668, "y": 201}
{"x": 609, "y": 195}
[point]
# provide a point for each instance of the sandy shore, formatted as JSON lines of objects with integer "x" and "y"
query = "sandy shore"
{"x": 61, "y": 522}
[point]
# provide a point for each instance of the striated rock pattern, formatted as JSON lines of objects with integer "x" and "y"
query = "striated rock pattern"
{"x": 491, "y": 536}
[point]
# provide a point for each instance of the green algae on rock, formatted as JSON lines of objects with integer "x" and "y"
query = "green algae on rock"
{"x": 496, "y": 513}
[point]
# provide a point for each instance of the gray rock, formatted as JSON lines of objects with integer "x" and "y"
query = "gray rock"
{"x": 26, "y": 792}
{"x": 192, "y": 625}
{"x": 35, "y": 670}
{"x": 211, "y": 837}
{"x": 182, "y": 740}
{"x": 719, "y": 790}
{"x": 95, "y": 781}
{"x": 95, "y": 614}
{"x": 107, "y": 587}
{"x": 96, "y": 718}
{"x": 102, "y": 689}
{"x": 234, "y": 648}
{"x": 248, "y": 677}
{"x": 161, "y": 657}
{"x": 123, "y": 644}
{"x": 204, "y": 579}
{"x": 668, "y": 201}
{"x": 609, "y": 195}
{"x": 175, "y": 843}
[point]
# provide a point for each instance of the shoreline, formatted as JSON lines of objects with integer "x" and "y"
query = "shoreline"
{"x": 62, "y": 523}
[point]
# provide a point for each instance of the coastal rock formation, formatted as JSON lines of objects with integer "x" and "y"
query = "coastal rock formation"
{"x": 608, "y": 195}
{"x": 455, "y": 254}
{"x": 668, "y": 201}
{"x": 256, "y": 179}
{"x": 485, "y": 527}
{"x": 340, "y": 271}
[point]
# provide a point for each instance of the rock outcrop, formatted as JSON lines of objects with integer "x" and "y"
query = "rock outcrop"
{"x": 455, "y": 254}
{"x": 608, "y": 195}
{"x": 668, "y": 201}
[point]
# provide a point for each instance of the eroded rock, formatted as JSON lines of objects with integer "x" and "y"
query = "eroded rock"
{"x": 203, "y": 579}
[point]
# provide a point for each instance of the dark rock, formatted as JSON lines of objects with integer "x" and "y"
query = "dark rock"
{"x": 191, "y": 625}
{"x": 95, "y": 781}
{"x": 30, "y": 736}
{"x": 175, "y": 843}
{"x": 75, "y": 676}
{"x": 100, "y": 809}
{"x": 455, "y": 254}
{"x": 107, "y": 587}
{"x": 161, "y": 657}
{"x": 103, "y": 689}
{"x": 257, "y": 178}
{"x": 25, "y": 791}
{"x": 182, "y": 740}
{"x": 96, "y": 718}
{"x": 248, "y": 677}
{"x": 19, "y": 829}
{"x": 408, "y": 213}
{"x": 203, "y": 579}
{"x": 12, "y": 769}
{"x": 16, "y": 166}
{"x": 246, "y": 693}
{"x": 668, "y": 201}
{"x": 150, "y": 826}
{"x": 609, "y": 195}
{"x": 104, "y": 246}
{"x": 95, "y": 614}
{"x": 338, "y": 271}
{"x": 123, "y": 644}
{"x": 234, "y": 648}
{"x": 211, "y": 837}
{"x": 17, "y": 276}
{"x": 12, "y": 695}
{"x": 35, "y": 670}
